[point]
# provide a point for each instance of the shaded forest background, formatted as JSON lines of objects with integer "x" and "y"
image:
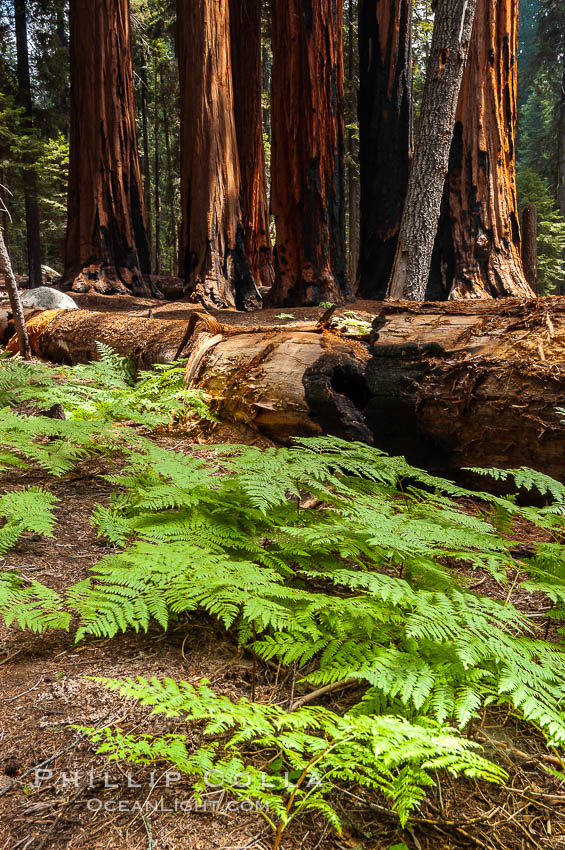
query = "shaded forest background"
{"x": 41, "y": 153}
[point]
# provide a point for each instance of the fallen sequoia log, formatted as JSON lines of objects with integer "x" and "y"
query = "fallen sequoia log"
{"x": 470, "y": 383}
{"x": 449, "y": 385}
{"x": 285, "y": 382}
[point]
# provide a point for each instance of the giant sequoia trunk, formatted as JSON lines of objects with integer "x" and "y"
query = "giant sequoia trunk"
{"x": 106, "y": 248}
{"x": 450, "y": 43}
{"x": 479, "y": 232}
{"x": 308, "y": 197}
{"x": 245, "y": 30}
{"x": 29, "y": 178}
{"x": 385, "y": 135}
{"x": 212, "y": 251}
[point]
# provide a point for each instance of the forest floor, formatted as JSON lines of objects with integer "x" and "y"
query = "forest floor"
{"x": 82, "y": 801}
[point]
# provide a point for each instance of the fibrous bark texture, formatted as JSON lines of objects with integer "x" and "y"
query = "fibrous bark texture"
{"x": 245, "y": 29}
{"x": 106, "y": 248}
{"x": 308, "y": 197}
{"x": 479, "y": 232}
{"x": 471, "y": 383}
{"x": 385, "y": 135}
{"x": 212, "y": 251}
{"x": 450, "y": 43}
{"x": 284, "y": 383}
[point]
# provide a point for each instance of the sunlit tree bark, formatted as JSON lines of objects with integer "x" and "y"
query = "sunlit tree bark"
{"x": 478, "y": 253}
{"x": 213, "y": 258}
{"x": 245, "y": 30}
{"x": 106, "y": 248}
{"x": 308, "y": 187}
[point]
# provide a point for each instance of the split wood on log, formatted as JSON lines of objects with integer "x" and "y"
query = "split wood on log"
{"x": 449, "y": 385}
{"x": 473, "y": 383}
{"x": 287, "y": 382}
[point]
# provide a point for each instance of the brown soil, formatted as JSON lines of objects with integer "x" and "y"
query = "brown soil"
{"x": 44, "y": 689}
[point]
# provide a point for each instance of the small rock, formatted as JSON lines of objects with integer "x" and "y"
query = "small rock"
{"x": 49, "y": 275}
{"x": 46, "y": 298}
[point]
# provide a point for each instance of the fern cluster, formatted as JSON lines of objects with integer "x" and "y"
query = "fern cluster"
{"x": 29, "y": 509}
{"x": 361, "y": 585}
{"x": 328, "y": 555}
{"x": 107, "y": 390}
{"x": 306, "y": 754}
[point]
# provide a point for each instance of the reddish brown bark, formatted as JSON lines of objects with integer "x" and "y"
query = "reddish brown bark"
{"x": 245, "y": 31}
{"x": 307, "y": 152}
{"x": 385, "y": 133}
{"x": 213, "y": 258}
{"x": 479, "y": 254}
{"x": 106, "y": 248}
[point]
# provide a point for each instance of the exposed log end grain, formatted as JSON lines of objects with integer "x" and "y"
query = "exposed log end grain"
{"x": 295, "y": 382}
{"x": 472, "y": 383}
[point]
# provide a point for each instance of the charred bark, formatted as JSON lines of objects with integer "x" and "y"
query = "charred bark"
{"x": 24, "y": 99}
{"x": 145, "y": 163}
{"x": 352, "y": 175}
{"x": 385, "y": 133}
{"x": 308, "y": 184}
{"x": 106, "y": 248}
{"x": 245, "y": 32}
{"x": 471, "y": 383}
{"x": 157, "y": 173}
{"x": 213, "y": 258}
{"x": 479, "y": 232}
{"x": 450, "y": 43}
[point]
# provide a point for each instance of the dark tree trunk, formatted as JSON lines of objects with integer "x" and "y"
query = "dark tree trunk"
{"x": 157, "y": 160}
{"x": 107, "y": 248}
{"x": 245, "y": 30}
{"x": 561, "y": 175}
{"x": 214, "y": 262}
{"x": 146, "y": 166}
{"x": 170, "y": 186}
{"x": 352, "y": 177}
{"x": 385, "y": 131}
{"x": 479, "y": 232}
{"x": 530, "y": 246}
{"x": 29, "y": 177}
{"x": 450, "y": 43}
{"x": 308, "y": 197}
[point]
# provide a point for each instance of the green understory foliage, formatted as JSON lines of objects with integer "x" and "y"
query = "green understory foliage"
{"x": 108, "y": 390}
{"x": 329, "y": 556}
{"x": 305, "y": 754}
